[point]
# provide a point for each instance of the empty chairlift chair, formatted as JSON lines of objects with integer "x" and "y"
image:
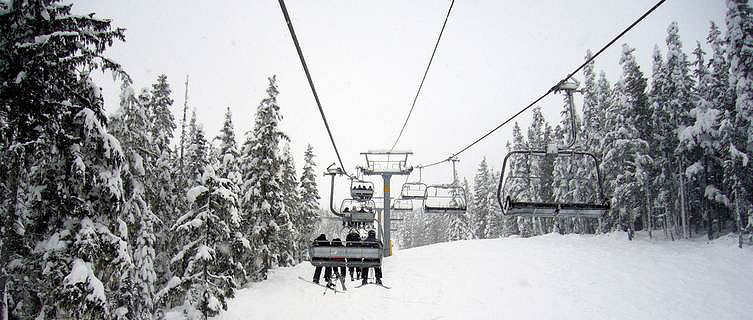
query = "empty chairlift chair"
{"x": 400, "y": 207}
{"x": 557, "y": 182}
{"x": 413, "y": 190}
{"x": 449, "y": 199}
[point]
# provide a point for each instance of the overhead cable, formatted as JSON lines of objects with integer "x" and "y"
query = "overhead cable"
{"x": 552, "y": 89}
{"x": 421, "y": 85}
{"x": 311, "y": 82}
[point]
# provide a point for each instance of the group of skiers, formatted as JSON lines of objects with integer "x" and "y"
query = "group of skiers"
{"x": 357, "y": 187}
{"x": 355, "y": 209}
{"x": 353, "y": 239}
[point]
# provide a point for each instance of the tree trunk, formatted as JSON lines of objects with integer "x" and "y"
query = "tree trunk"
{"x": 4, "y": 302}
{"x": 649, "y": 217}
{"x": 683, "y": 212}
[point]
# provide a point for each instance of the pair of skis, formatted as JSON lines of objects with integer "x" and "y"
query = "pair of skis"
{"x": 331, "y": 285}
{"x": 376, "y": 284}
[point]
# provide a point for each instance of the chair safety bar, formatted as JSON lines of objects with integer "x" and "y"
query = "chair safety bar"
{"x": 361, "y": 257}
{"x": 547, "y": 209}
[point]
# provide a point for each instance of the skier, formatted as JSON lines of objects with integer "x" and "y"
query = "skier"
{"x": 353, "y": 239}
{"x": 372, "y": 242}
{"x": 321, "y": 241}
{"x": 336, "y": 242}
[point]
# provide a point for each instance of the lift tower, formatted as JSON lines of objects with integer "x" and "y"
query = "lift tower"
{"x": 386, "y": 163}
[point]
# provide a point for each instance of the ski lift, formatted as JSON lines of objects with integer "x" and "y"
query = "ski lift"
{"x": 362, "y": 190}
{"x": 531, "y": 180}
{"x": 360, "y": 254}
{"x": 353, "y": 212}
{"x": 414, "y": 190}
{"x": 445, "y": 199}
{"x": 357, "y": 211}
{"x": 402, "y": 205}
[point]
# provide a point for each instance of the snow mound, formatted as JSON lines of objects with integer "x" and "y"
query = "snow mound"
{"x": 547, "y": 277}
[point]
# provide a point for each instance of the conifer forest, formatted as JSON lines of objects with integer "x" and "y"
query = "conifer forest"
{"x": 128, "y": 214}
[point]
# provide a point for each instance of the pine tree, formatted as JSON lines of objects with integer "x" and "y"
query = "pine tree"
{"x": 458, "y": 228}
{"x": 204, "y": 266}
{"x": 164, "y": 122}
{"x": 291, "y": 197}
{"x": 228, "y": 150}
{"x": 132, "y": 126}
{"x": 268, "y": 223}
{"x": 61, "y": 169}
{"x": 493, "y": 222}
{"x": 714, "y": 92}
{"x": 197, "y": 152}
{"x": 737, "y": 125}
{"x": 309, "y": 197}
{"x": 625, "y": 151}
{"x": 481, "y": 209}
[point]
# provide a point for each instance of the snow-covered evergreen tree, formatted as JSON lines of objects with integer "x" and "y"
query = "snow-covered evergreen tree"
{"x": 458, "y": 228}
{"x": 197, "y": 151}
{"x": 625, "y": 150}
{"x": 309, "y": 198}
{"x": 291, "y": 196}
{"x": 205, "y": 265}
{"x": 737, "y": 125}
{"x": 269, "y": 225}
{"x": 132, "y": 126}
{"x": 61, "y": 169}
{"x": 480, "y": 200}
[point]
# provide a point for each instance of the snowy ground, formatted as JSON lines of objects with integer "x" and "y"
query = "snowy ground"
{"x": 547, "y": 277}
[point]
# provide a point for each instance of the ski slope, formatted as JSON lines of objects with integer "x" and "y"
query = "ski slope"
{"x": 546, "y": 277}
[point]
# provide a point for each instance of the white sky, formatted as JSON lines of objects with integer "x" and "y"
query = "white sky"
{"x": 367, "y": 58}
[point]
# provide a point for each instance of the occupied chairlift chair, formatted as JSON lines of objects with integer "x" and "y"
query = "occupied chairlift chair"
{"x": 524, "y": 177}
{"x": 361, "y": 190}
{"x": 360, "y": 255}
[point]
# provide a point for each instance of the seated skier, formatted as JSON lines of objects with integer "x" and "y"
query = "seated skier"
{"x": 371, "y": 242}
{"x": 339, "y": 271}
{"x": 321, "y": 241}
{"x": 353, "y": 239}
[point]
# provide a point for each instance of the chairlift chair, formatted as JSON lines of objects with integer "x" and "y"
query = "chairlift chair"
{"x": 530, "y": 179}
{"x": 362, "y": 190}
{"x": 449, "y": 199}
{"x": 413, "y": 190}
{"x": 362, "y": 255}
{"x": 357, "y": 211}
{"x": 402, "y": 205}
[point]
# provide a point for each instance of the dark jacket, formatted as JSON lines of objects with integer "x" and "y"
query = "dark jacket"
{"x": 336, "y": 242}
{"x": 321, "y": 241}
{"x": 372, "y": 242}
{"x": 353, "y": 239}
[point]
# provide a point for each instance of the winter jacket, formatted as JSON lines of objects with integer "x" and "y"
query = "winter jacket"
{"x": 321, "y": 241}
{"x": 352, "y": 239}
{"x": 372, "y": 242}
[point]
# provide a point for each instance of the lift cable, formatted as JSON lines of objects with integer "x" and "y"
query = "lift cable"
{"x": 415, "y": 98}
{"x": 311, "y": 82}
{"x": 552, "y": 89}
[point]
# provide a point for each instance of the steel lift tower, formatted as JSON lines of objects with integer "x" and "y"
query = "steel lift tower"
{"x": 386, "y": 163}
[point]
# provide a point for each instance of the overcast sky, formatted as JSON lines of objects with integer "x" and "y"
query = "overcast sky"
{"x": 367, "y": 58}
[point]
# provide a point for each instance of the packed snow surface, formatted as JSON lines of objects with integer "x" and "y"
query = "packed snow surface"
{"x": 546, "y": 277}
